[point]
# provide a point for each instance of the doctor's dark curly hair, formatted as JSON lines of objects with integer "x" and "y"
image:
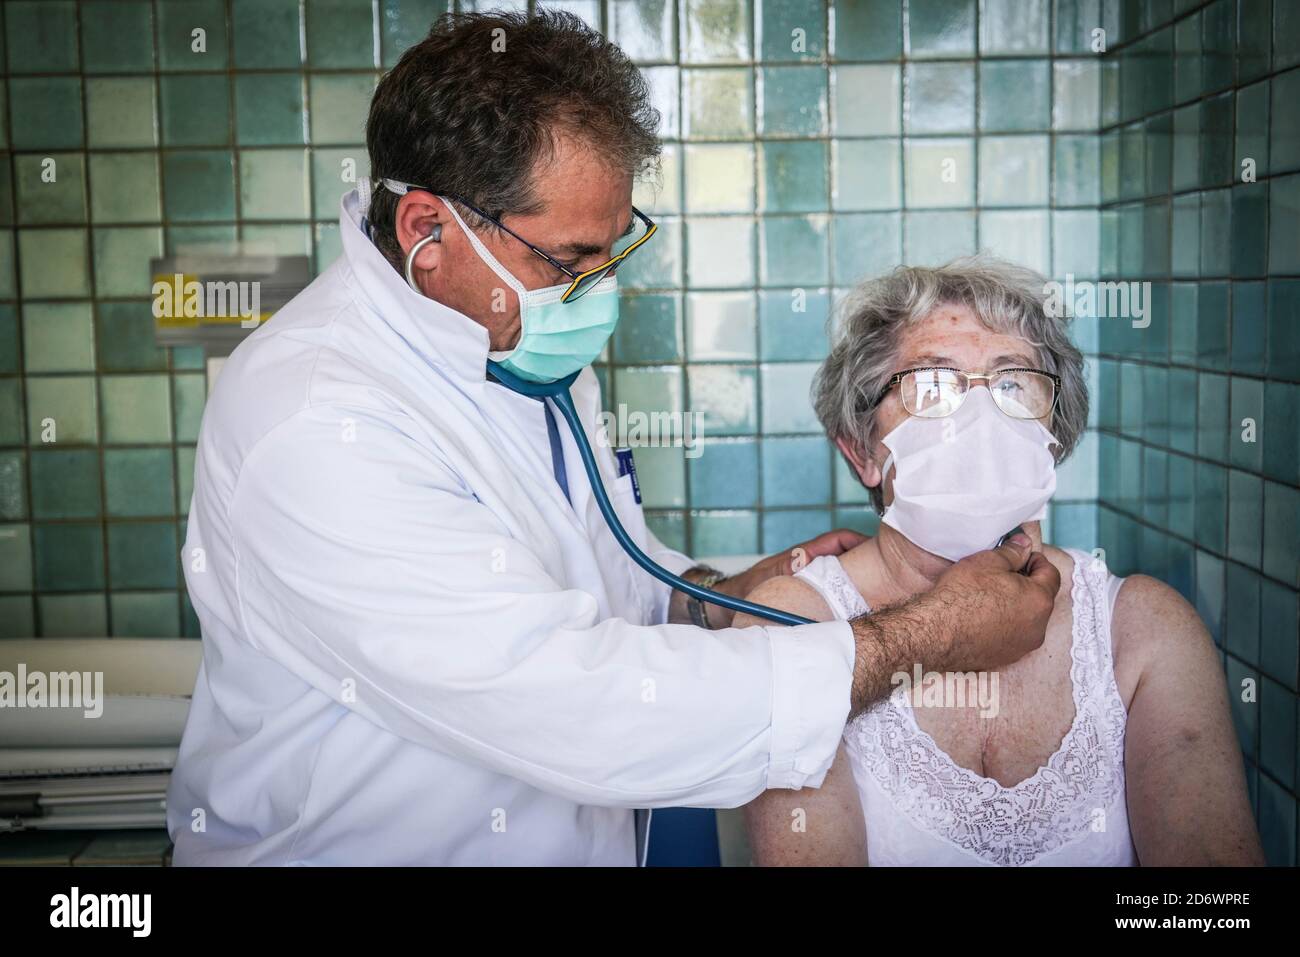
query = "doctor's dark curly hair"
{"x": 472, "y": 108}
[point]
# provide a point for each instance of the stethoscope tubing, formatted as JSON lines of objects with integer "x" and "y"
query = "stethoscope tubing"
{"x": 558, "y": 391}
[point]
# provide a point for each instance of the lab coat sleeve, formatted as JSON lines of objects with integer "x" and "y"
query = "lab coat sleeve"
{"x": 670, "y": 559}
{"x": 370, "y": 570}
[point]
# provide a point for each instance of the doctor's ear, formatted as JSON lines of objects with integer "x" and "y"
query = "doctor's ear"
{"x": 420, "y": 222}
{"x": 862, "y": 464}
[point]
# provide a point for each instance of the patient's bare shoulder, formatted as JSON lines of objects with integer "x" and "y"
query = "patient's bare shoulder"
{"x": 787, "y": 593}
{"x": 1153, "y": 625}
{"x": 1147, "y": 612}
{"x": 1154, "y": 617}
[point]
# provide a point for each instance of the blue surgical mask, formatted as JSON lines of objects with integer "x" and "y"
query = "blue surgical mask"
{"x": 558, "y": 338}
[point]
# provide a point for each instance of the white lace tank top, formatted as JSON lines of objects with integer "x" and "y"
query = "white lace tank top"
{"x": 921, "y": 808}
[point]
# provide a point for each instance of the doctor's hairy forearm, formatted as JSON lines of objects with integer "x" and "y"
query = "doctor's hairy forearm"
{"x": 985, "y": 611}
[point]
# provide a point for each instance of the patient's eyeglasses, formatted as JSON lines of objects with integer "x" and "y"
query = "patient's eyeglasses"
{"x": 935, "y": 391}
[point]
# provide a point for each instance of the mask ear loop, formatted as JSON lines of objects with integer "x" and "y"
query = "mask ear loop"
{"x": 435, "y": 236}
{"x": 883, "y": 466}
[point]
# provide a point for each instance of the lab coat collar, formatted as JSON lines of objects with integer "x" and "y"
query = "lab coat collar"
{"x": 442, "y": 336}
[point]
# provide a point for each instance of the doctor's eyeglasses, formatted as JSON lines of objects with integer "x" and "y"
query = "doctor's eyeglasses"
{"x": 641, "y": 229}
{"x": 934, "y": 392}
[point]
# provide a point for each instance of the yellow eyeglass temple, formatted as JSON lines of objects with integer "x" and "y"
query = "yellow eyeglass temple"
{"x": 604, "y": 267}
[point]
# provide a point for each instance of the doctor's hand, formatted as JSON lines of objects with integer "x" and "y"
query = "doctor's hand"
{"x": 997, "y": 604}
{"x": 985, "y": 611}
{"x": 835, "y": 542}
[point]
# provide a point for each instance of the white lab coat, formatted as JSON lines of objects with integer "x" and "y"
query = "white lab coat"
{"x": 415, "y": 651}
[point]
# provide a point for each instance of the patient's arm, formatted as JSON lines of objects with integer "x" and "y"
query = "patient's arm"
{"x": 811, "y": 826}
{"x": 1187, "y": 799}
{"x": 808, "y": 826}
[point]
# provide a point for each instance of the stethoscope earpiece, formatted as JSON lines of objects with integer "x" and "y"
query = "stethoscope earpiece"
{"x": 435, "y": 236}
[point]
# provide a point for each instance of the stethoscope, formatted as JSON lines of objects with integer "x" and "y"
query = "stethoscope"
{"x": 558, "y": 392}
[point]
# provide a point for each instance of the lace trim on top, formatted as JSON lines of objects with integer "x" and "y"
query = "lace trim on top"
{"x": 1053, "y": 807}
{"x": 828, "y": 576}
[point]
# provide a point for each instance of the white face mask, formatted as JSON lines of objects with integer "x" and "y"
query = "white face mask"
{"x": 964, "y": 480}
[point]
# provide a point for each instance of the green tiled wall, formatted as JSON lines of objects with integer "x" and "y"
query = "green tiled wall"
{"x": 1199, "y": 418}
{"x": 807, "y": 144}
{"x": 126, "y": 134}
{"x": 805, "y": 147}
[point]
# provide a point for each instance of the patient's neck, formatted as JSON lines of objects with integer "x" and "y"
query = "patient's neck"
{"x": 889, "y": 568}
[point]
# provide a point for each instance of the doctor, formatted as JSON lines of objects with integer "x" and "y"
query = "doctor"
{"x": 421, "y": 643}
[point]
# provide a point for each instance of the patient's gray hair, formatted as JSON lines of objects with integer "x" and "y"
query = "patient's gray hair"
{"x": 872, "y": 319}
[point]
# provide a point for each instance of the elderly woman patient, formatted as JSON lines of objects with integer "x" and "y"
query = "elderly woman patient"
{"x": 953, "y": 395}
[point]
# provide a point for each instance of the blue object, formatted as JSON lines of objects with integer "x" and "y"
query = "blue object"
{"x": 627, "y": 466}
{"x": 559, "y": 392}
{"x": 557, "y": 451}
{"x": 684, "y": 837}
